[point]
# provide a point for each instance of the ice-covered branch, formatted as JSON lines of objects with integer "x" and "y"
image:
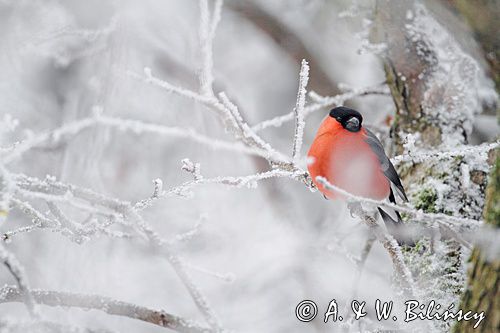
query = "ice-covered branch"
{"x": 321, "y": 103}
{"x": 6, "y": 237}
{"x": 70, "y": 129}
{"x": 299, "y": 110}
{"x": 191, "y": 233}
{"x": 149, "y": 78}
{"x": 418, "y": 215}
{"x": 111, "y": 209}
{"x": 128, "y": 212}
{"x": 466, "y": 150}
{"x": 158, "y": 192}
{"x": 39, "y": 219}
{"x": 137, "y": 127}
{"x": 141, "y": 127}
{"x": 16, "y": 325}
{"x": 229, "y": 114}
{"x": 238, "y": 182}
{"x": 19, "y": 275}
{"x": 104, "y": 304}
{"x": 389, "y": 244}
{"x": 68, "y": 225}
{"x": 208, "y": 26}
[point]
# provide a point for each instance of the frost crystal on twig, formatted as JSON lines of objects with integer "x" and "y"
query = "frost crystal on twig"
{"x": 299, "y": 110}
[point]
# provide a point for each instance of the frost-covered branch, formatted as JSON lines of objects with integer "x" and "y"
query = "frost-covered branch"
{"x": 54, "y": 192}
{"x": 466, "y": 150}
{"x": 238, "y": 182}
{"x": 149, "y": 78}
{"x": 104, "y": 304}
{"x": 321, "y": 103}
{"x": 208, "y": 26}
{"x": 74, "y": 128}
{"x": 138, "y": 127}
{"x": 191, "y": 233}
{"x": 16, "y": 325}
{"x": 228, "y": 113}
{"x": 38, "y": 218}
{"x": 158, "y": 192}
{"x": 418, "y": 215}
{"x": 128, "y": 212}
{"x": 19, "y": 275}
{"x": 389, "y": 244}
{"x": 383, "y": 237}
{"x": 299, "y": 110}
{"x": 70, "y": 129}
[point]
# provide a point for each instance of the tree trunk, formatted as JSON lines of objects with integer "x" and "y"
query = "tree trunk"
{"x": 432, "y": 93}
{"x": 483, "y": 292}
{"x": 483, "y": 17}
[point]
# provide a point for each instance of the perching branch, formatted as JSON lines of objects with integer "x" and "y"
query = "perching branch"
{"x": 390, "y": 245}
{"x": 104, "y": 304}
{"x": 417, "y": 214}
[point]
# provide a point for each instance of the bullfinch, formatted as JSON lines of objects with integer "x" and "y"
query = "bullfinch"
{"x": 351, "y": 157}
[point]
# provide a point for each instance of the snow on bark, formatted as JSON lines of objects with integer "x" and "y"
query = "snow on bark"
{"x": 438, "y": 90}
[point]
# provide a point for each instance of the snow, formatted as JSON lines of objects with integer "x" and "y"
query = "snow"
{"x": 457, "y": 87}
{"x": 145, "y": 164}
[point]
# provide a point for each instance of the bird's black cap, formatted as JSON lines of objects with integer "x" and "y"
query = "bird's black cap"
{"x": 343, "y": 112}
{"x": 345, "y": 117}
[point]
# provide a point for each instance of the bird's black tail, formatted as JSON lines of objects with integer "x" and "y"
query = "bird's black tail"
{"x": 395, "y": 224}
{"x": 396, "y": 227}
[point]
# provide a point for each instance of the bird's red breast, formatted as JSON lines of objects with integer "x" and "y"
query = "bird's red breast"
{"x": 346, "y": 160}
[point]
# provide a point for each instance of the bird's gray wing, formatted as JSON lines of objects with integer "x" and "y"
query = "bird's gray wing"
{"x": 386, "y": 164}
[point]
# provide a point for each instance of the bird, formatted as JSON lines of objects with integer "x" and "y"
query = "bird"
{"x": 352, "y": 158}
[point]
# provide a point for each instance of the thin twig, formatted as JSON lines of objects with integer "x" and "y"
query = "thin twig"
{"x": 19, "y": 275}
{"x": 319, "y": 105}
{"x": 207, "y": 34}
{"x": 390, "y": 245}
{"x": 299, "y": 110}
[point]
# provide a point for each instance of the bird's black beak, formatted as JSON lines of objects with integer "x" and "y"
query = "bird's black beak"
{"x": 353, "y": 124}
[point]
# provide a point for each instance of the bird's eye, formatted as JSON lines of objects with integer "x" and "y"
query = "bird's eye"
{"x": 339, "y": 119}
